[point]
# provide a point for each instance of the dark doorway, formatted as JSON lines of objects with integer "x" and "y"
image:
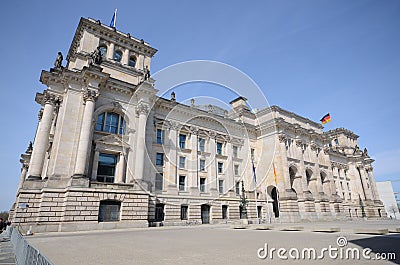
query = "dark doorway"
{"x": 259, "y": 211}
{"x": 224, "y": 211}
{"x": 109, "y": 211}
{"x": 159, "y": 215}
{"x": 275, "y": 203}
{"x": 379, "y": 212}
{"x": 205, "y": 214}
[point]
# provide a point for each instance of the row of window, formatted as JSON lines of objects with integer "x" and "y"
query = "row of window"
{"x": 201, "y": 143}
{"x": 185, "y": 208}
{"x": 202, "y": 164}
{"x": 117, "y": 56}
{"x": 183, "y": 186}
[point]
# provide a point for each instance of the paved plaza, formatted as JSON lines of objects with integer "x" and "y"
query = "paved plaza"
{"x": 216, "y": 244}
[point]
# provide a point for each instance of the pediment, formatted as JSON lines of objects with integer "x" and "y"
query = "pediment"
{"x": 113, "y": 139}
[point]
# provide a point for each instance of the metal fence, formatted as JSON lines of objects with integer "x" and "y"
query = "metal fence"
{"x": 25, "y": 254}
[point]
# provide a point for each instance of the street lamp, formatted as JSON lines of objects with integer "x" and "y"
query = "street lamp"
{"x": 243, "y": 204}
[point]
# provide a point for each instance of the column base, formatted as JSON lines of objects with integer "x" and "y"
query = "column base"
{"x": 79, "y": 180}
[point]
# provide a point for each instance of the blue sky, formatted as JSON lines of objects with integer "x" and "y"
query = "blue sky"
{"x": 310, "y": 57}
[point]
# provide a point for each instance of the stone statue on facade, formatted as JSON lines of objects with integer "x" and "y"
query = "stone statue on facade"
{"x": 146, "y": 73}
{"x": 96, "y": 56}
{"x": 58, "y": 62}
{"x": 365, "y": 152}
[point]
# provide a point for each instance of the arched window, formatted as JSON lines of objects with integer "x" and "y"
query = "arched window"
{"x": 103, "y": 51}
{"x": 110, "y": 122}
{"x": 308, "y": 176}
{"x": 132, "y": 61}
{"x": 117, "y": 56}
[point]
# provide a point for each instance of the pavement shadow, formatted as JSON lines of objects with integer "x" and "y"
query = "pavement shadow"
{"x": 383, "y": 245}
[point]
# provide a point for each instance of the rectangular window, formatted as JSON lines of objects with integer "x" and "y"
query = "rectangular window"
{"x": 106, "y": 168}
{"x": 237, "y": 188}
{"x": 159, "y": 159}
{"x": 224, "y": 211}
{"x": 182, "y": 160}
{"x": 336, "y": 142}
{"x": 220, "y": 167}
{"x": 202, "y": 142}
{"x": 202, "y": 165}
{"x": 236, "y": 169}
{"x": 219, "y": 148}
{"x": 184, "y": 210}
{"x": 221, "y": 186}
{"x": 160, "y": 136}
{"x": 100, "y": 122}
{"x": 202, "y": 185}
{"x": 182, "y": 141}
{"x": 235, "y": 151}
{"x": 159, "y": 181}
{"x": 182, "y": 183}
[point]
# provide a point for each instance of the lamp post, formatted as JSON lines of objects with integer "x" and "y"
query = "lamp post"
{"x": 362, "y": 207}
{"x": 243, "y": 204}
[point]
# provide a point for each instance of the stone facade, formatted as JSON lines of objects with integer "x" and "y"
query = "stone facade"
{"x": 109, "y": 153}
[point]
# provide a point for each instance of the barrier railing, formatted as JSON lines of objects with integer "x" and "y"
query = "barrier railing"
{"x": 25, "y": 254}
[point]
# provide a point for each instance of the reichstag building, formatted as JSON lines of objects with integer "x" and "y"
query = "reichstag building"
{"x": 110, "y": 153}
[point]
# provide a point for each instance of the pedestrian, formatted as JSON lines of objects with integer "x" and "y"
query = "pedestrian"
{"x": 2, "y": 224}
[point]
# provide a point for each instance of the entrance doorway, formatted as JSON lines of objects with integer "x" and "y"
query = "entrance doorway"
{"x": 205, "y": 214}
{"x": 159, "y": 214}
{"x": 275, "y": 202}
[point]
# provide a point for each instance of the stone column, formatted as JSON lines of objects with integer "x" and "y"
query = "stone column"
{"x": 24, "y": 171}
{"x": 229, "y": 174}
{"x": 193, "y": 163}
{"x": 213, "y": 175}
{"x": 89, "y": 97}
{"x": 41, "y": 142}
{"x": 171, "y": 159}
{"x": 95, "y": 165}
{"x": 142, "y": 110}
{"x": 370, "y": 173}
{"x": 110, "y": 51}
{"x": 366, "y": 185}
{"x": 120, "y": 170}
{"x": 125, "y": 57}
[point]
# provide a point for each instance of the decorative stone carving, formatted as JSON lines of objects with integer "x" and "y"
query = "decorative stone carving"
{"x": 299, "y": 142}
{"x": 50, "y": 98}
{"x": 282, "y": 138}
{"x": 90, "y": 95}
{"x": 142, "y": 108}
{"x": 40, "y": 114}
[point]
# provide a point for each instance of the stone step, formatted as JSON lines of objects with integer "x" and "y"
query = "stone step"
{"x": 394, "y": 230}
{"x": 326, "y": 229}
{"x": 371, "y": 231}
{"x": 263, "y": 227}
{"x": 292, "y": 228}
{"x": 239, "y": 226}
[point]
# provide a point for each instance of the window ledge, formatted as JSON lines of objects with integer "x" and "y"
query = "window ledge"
{"x": 185, "y": 150}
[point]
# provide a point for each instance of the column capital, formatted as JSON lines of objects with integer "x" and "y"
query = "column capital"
{"x": 142, "y": 108}
{"x": 281, "y": 137}
{"x": 50, "y": 98}
{"x": 90, "y": 95}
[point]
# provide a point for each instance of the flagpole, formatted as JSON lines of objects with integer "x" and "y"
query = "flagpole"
{"x": 115, "y": 21}
{"x": 255, "y": 193}
{"x": 269, "y": 214}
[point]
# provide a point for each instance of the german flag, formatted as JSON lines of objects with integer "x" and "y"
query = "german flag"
{"x": 326, "y": 118}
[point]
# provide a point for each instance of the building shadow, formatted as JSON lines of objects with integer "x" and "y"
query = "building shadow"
{"x": 382, "y": 244}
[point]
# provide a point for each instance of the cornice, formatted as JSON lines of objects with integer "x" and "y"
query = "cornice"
{"x": 107, "y": 33}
